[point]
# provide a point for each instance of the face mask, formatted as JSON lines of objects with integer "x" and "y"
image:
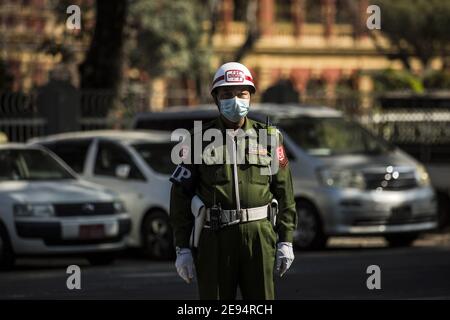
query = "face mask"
{"x": 234, "y": 109}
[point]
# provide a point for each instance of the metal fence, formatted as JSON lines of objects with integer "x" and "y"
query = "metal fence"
{"x": 424, "y": 133}
{"x": 20, "y": 130}
{"x": 21, "y": 118}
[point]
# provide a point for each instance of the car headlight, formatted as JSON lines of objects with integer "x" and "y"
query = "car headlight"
{"x": 341, "y": 178}
{"x": 119, "y": 207}
{"x": 422, "y": 177}
{"x": 34, "y": 210}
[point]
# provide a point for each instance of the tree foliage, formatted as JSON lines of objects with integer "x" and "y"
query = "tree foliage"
{"x": 416, "y": 28}
{"x": 393, "y": 80}
{"x": 167, "y": 36}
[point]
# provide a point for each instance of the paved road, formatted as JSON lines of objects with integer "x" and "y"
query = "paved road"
{"x": 419, "y": 272}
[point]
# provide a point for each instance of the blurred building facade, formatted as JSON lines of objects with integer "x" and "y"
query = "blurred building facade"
{"x": 32, "y": 37}
{"x": 322, "y": 46}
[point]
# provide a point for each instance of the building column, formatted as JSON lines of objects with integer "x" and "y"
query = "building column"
{"x": 331, "y": 77}
{"x": 365, "y": 89}
{"x": 298, "y": 16}
{"x": 328, "y": 16}
{"x": 300, "y": 77}
{"x": 266, "y": 16}
{"x": 360, "y": 24}
{"x": 227, "y": 16}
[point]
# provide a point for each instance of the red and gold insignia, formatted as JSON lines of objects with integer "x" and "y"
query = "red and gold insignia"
{"x": 282, "y": 158}
{"x": 257, "y": 150}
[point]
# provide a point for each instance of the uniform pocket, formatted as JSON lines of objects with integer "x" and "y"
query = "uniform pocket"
{"x": 257, "y": 175}
{"x": 259, "y": 171}
{"x": 268, "y": 236}
{"x": 216, "y": 174}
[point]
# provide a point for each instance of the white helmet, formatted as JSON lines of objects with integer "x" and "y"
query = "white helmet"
{"x": 232, "y": 74}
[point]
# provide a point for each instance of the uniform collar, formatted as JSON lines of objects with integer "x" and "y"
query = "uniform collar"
{"x": 248, "y": 124}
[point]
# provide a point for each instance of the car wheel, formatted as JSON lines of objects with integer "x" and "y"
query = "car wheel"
{"x": 101, "y": 259}
{"x": 6, "y": 252}
{"x": 157, "y": 238}
{"x": 401, "y": 240}
{"x": 309, "y": 233}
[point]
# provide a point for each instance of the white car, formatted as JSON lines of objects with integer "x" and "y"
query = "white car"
{"x": 45, "y": 209}
{"x": 137, "y": 166}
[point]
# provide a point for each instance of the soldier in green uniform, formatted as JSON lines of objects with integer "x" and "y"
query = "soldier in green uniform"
{"x": 241, "y": 241}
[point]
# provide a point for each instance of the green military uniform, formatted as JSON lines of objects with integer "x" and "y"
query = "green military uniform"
{"x": 242, "y": 254}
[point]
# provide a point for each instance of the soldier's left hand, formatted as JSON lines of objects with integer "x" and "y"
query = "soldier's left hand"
{"x": 185, "y": 264}
{"x": 284, "y": 258}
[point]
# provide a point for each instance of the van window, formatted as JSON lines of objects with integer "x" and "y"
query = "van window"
{"x": 72, "y": 152}
{"x": 332, "y": 136}
{"x": 109, "y": 156}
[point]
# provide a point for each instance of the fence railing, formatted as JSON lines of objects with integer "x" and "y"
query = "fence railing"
{"x": 424, "y": 133}
{"x": 20, "y": 130}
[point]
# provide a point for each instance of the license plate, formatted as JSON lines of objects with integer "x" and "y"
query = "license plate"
{"x": 92, "y": 232}
{"x": 401, "y": 213}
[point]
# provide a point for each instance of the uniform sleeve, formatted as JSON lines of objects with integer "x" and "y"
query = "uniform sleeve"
{"x": 282, "y": 189}
{"x": 183, "y": 185}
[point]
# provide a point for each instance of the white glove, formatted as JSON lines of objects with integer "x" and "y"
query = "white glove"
{"x": 285, "y": 256}
{"x": 185, "y": 264}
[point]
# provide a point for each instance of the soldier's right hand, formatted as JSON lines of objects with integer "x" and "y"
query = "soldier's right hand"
{"x": 185, "y": 264}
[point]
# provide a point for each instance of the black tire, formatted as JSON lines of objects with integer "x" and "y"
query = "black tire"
{"x": 6, "y": 253}
{"x": 102, "y": 259}
{"x": 401, "y": 240}
{"x": 309, "y": 234}
{"x": 157, "y": 236}
{"x": 443, "y": 200}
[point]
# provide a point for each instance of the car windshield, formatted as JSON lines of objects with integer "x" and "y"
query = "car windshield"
{"x": 331, "y": 136}
{"x": 32, "y": 164}
{"x": 157, "y": 156}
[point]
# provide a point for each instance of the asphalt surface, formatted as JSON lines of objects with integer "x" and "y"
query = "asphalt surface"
{"x": 339, "y": 272}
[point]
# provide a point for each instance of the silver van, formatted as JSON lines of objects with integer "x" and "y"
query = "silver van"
{"x": 346, "y": 180}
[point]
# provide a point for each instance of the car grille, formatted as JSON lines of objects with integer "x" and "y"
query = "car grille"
{"x": 385, "y": 181}
{"x": 83, "y": 209}
{"x": 378, "y": 221}
{"x": 60, "y": 242}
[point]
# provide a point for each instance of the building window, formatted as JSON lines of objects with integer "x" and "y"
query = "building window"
{"x": 343, "y": 12}
{"x": 240, "y": 10}
{"x": 283, "y": 11}
{"x": 313, "y": 11}
{"x": 11, "y": 21}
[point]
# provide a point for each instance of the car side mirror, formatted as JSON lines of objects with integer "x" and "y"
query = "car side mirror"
{"x": 123, "y": 171}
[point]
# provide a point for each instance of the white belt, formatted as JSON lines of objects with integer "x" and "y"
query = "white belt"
{"x": 229, "y": 217}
